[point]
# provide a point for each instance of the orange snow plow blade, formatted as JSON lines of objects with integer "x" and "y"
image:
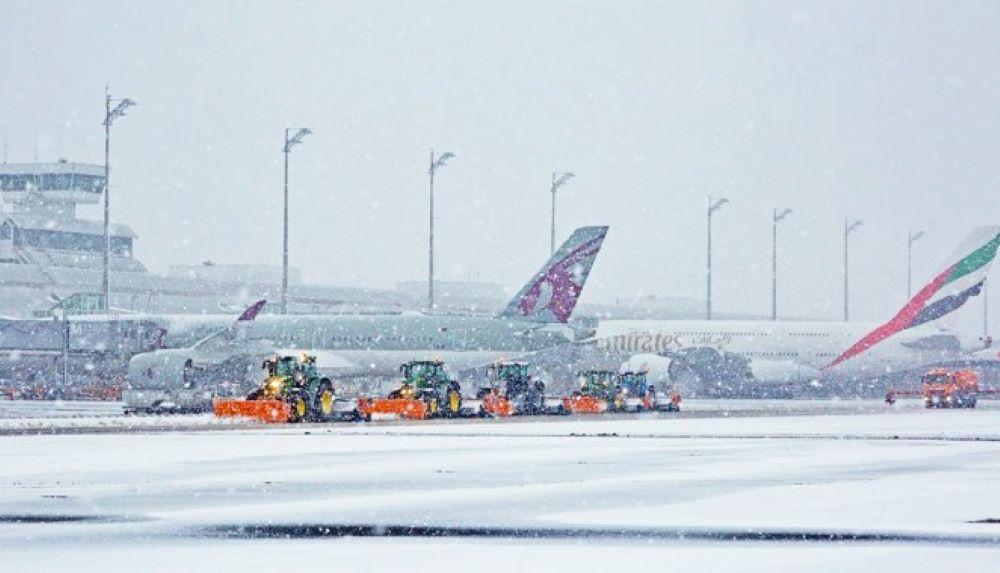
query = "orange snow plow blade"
{"x": 407, "y": 408}
{"x": 497, "y": 405}
{"x": 271, "y": 411}
{"x": 585, "y": 405}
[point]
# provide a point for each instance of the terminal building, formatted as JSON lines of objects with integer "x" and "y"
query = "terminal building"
{"x": 48, "y": 255}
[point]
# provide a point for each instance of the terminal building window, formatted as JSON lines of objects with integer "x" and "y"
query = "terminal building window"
{"x": 52, "y": 182}
{"x": 44, "y": 239}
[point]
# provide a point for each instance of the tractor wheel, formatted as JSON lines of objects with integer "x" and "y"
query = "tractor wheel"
{"x": 322, "y": 407}
{"x": 299, "y": 404}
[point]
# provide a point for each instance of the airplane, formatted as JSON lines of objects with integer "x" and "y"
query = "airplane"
{"x": 697, "y": 354}
{"x": 363, "y": 345}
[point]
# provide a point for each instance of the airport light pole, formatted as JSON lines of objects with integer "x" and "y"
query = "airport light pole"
{"x": 849, "y": 227}
{"x": 558, "y": 180}
{"x": 776, "y": 218}
{"x": 435, "y": 164}
{"x": 986, "y": 312}
{"x": 110, "y": 114}
{"x": 912, "y": 237}
{"x": 712, "y": 208}
{"x": 290, "y": 142}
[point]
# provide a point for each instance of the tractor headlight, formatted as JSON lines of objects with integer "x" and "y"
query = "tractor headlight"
{"x": 273, "y": 386}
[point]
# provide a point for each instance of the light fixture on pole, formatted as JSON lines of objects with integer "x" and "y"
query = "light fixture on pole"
{"x": 776, "y": 217}
{"x": 849, "y": 227}
{"x": 435, "y": 164}
{"x": 712, "y": 208}
{"x": 558, "y": 180}
{"x": 291, "y": 140}
{"x": 110, "y": 115}
{"x": 912, "y": 237}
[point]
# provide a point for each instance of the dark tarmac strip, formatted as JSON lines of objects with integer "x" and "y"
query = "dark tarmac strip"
{"x": 611, "y": 534}
{"x": 316, "y": 531}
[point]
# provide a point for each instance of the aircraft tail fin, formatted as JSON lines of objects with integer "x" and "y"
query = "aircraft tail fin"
{"x": 552, "y": 293}
{"x": 236, "y": 332}
{"x": 962, "y": 276}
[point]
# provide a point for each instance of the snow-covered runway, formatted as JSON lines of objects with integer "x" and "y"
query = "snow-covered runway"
{"x": 716, "y": 493}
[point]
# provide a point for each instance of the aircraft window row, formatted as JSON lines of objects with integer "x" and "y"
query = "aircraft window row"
{"x": 721, "y": 333}
{"x": 810, "y": 334}
{"x": 771, "y": 354}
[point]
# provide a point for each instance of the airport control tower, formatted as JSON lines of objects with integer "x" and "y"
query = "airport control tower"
{"x": 46, "y": 252}
{"x": 42, "y": 221}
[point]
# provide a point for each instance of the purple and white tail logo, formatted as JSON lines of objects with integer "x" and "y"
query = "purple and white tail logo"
{"x": 553, "y": 293}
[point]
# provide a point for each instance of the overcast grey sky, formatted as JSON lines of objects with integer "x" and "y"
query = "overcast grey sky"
{"x": 881, "y": 111}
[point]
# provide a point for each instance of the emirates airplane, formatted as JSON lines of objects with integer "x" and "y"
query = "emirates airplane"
{"x": 693, "y": 353}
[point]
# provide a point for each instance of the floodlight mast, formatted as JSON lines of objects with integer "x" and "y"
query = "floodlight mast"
{"x": 776, "y": 218}
{"x": 291, "y": 140}
{"x": 849, "y": 227}
{"x": 110, "y": 114}
{"x": 435, "y": 164}
{"x": 558, "y": 180}
{"x": 713, "y": 206}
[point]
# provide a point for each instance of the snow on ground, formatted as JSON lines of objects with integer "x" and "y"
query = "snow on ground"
{"x": 161, "y": 496}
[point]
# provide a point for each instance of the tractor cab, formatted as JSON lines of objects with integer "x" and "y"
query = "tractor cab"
{"x": 598, "y": 383}
{"x": 633, "y": 383}
{"x": 633, "y": 393}
{"x": 424, "y": 374}
{"x": 510, "y": 378}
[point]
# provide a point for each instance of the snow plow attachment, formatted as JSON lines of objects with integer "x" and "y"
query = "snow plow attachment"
{"x": 406, "y": 408}
{"x": 497, "y": 406}
{"x": 585, "y": 405}
{"x": 270, "y": 411}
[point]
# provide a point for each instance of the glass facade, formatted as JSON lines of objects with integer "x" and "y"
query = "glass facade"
{"x": 45, "y": 239}
{"x": 52, "y": 182}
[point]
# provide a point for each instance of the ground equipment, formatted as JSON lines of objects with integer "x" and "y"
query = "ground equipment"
{"x": 596, "y": 393}
{"x": 633, "y": 393}
{"x": 670, "y": 402}
{"x": 293, "y": 391}
{"x": 425, "y": 392}
{"x": 942, "y": 388}
{"x": 512, "y": 391}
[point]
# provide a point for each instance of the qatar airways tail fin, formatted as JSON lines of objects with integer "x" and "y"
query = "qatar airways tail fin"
{"x": 552, "y": 293}
{"x": 236, "y": 332}
{"x": 961, "y": 277}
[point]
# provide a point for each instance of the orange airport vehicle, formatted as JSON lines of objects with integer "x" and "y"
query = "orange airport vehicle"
{"x": 425, "y": 392}
{"x": 596, "y": 392}
{"x": 944, "y": 388}
{"x": 293, "y": 391}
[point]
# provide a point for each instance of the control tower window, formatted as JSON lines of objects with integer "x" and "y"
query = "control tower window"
{"x": 72, "y": 241}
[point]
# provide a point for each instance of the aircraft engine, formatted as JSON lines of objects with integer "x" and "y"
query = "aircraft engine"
{"x": 656, "y": 367}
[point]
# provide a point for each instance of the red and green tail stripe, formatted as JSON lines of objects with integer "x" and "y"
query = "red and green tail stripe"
{"x": 917, "y": 311}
